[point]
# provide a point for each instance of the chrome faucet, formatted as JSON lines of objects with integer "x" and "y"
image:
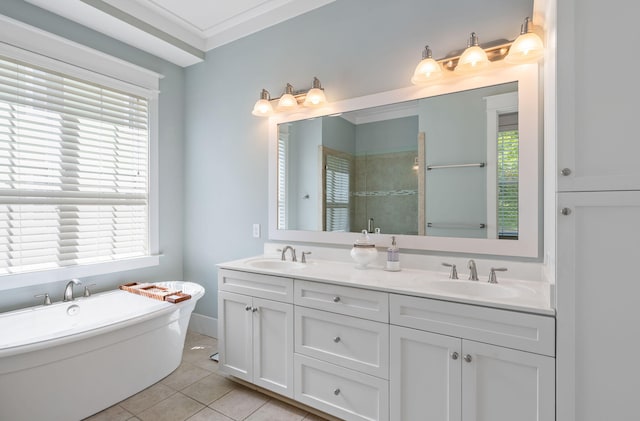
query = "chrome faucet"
{"x": 68, "y": 290}
{"x": 293, "y": 254}
{"x": 473, "y": 272}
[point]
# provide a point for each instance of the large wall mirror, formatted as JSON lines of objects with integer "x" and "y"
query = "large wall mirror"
{"x": 450, "y": 167}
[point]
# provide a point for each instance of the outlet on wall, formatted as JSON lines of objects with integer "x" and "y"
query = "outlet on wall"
{"x": 256, "y": 230}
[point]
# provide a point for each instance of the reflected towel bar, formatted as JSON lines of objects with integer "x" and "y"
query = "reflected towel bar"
{"x": 446, "y": 225}
{"x": 437, "y": 167}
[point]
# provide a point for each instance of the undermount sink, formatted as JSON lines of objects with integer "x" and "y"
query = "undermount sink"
{"x": 475, "y": 289}
{"x": 275, "y": 264}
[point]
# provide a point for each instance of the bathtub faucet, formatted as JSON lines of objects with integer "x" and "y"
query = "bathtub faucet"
{"x": 68, "y": 290}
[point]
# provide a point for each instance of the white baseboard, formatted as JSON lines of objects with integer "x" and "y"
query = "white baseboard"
{"x": 204, "y": 325}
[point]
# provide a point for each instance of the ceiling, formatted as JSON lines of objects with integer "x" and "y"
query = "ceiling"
{"x": 179, "y": 31}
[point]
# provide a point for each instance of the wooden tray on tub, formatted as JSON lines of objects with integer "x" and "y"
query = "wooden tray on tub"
{"x": 156, "y": 292}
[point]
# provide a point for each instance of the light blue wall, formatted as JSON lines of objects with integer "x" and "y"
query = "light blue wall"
{"x": 170, "y": 153}
{"x": 381, "y": 137}
{"x": 355, "y": 48}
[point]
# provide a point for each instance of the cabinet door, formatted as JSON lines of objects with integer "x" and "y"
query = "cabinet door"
{"x": 598, "y": 312}
{"x": 273, "y": 345}
{"x": 234, "y": 343}
{"x": 501, "y": 384}
{"x": 424, "y": 378}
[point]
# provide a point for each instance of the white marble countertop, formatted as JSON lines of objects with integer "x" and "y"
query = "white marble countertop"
{"x": 510, "y": 294}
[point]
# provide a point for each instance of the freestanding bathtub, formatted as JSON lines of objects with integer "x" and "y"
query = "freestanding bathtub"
{"x": 69, "y": 360}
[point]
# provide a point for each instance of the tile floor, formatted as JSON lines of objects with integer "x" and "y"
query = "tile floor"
{"x": 196, "y": 391}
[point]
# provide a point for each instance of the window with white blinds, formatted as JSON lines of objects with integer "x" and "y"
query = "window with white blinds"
{"x": 508, "y": 174}
{"x": 74, "y": 171}
{"x": 283, "y": 140}
{"x": 337, "y": 186}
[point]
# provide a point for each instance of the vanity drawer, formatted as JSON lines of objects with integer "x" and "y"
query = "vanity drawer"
{"x": 347, "y": 394}
{"x": 372, "y": 305}
{"x": 262, "y": 286}
{"x": 511, "y": 329}
{"x": 354, "y": 343}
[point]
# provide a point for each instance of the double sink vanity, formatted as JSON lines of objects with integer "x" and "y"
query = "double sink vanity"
{"x": 376, "y": 345}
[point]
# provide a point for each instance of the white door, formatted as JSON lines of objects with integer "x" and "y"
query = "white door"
{"x": 273, "y": 345}
{"x": 598, "y": 291}
{"x": 235, "y": 336}
{"x": 502, "y": 384}
{"x": 424, "y": 377}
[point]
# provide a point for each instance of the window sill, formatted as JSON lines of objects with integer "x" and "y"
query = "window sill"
{"x": 20, "y": 280}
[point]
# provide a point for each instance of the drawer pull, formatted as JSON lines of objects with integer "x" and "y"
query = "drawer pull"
{"x": 247, "y": 307}
{"x": 336, "y": 339}
{"x": 336, "y": 392}
{"x": 454, "y": 356}
{"x": 336, "y": 299}
{"x": 254, "y": 309}
{"x": 467, "y": 358}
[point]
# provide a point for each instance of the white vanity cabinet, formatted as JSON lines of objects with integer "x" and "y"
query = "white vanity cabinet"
{"x": 370, "y": 355}
{"x": 256, "y": 329}
{"x": 437, "y": 372}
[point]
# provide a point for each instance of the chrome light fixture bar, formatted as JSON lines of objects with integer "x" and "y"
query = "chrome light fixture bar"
{"x": 290, "y": 99}
{"x": 527, "y": 48}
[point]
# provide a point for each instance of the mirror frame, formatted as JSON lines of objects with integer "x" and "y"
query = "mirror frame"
{"x": 529, "y": 183}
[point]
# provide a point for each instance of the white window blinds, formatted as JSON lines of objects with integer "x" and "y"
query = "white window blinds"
{"x": 508, "y": 174}
{"x": 337, "y": 191}
{"x": 74, "y": 161}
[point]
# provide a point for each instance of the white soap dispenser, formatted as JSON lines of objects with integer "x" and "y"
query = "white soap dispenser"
{"x": 364, "y": 251}
{"x": 393, "y": 257}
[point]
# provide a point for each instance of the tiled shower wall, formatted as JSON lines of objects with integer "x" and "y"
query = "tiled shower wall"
{"x": 386, "y": 189}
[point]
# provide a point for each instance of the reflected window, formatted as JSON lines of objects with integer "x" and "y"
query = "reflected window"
{"x": 508, "y": 171}
{"x": 338, "y": 168}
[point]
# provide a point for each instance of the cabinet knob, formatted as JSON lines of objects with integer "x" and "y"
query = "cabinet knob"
{"x": 336, "y": 299}
{"x": 454, "y": 355}
{"x": 565, "y": 171}
{"x": 565, "y": 211}
{"x": 336, "y": 392}
{"x": 468, "y": 358}
{"x": 254, "y": 309}
{"x": 336, "y": 339}
{"x": 247, "y": 307}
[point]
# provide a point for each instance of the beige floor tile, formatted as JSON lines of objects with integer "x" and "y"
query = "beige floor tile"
{"x": 277, "y": 411}
{"x": 209, "y": 389}
{"x": 147, "y": 398}
{"x": 177, "y": 407}
{"x": 115, "y": 413}
{"x": 185, "y": 375}
{"x": 313, "y": 417}
{"x": 208, "y": 414}
{"x": 239, "y": 403}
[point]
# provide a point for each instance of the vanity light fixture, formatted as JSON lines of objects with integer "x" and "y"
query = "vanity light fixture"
{"x": 427, "y": 70}
{"x": 290, "y": 100}
{"x": 527, "y": 47}
{"x": 473, "y": 58}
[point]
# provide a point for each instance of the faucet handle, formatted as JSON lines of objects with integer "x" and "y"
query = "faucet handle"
{"x": 454, "y": 272}
{"x": 47, "y": 299}
{"x": 304, "y": 256}
{"x": 87, "y": 293}
{"x": 492, "y": 274}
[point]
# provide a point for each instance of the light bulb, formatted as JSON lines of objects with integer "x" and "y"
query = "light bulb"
{"x": 527, "y": 48}
{"x": 427, "y": 70}
{"x": 473, "y": 58}
{"x": 263, "y": 107}
{"x": 287, "y": 101}
{"x": 315, "y": 97}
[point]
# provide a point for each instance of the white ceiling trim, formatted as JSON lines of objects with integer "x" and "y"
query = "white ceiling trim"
{"x": 166, "y": 33}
